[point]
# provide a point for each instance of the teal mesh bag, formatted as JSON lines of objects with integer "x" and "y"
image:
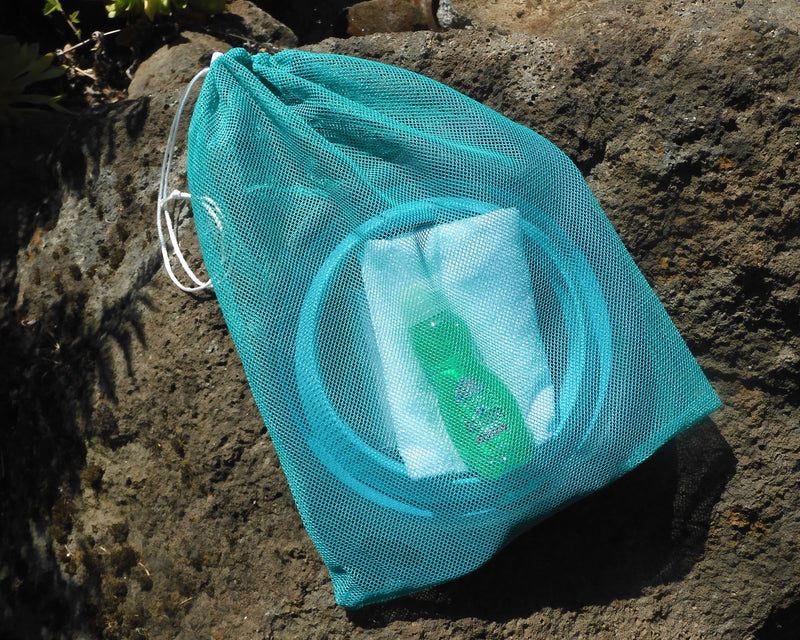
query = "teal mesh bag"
{"x": 446, "y": 338}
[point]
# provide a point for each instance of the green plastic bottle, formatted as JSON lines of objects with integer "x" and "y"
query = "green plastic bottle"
{"x": 481, "y": 415}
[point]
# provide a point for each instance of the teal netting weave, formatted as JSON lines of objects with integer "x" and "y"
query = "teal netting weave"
{"x": 445, "y": 336}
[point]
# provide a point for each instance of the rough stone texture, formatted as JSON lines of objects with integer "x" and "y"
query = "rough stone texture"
{"x": 448, "y": 18}
{"x": 170, "y": 68}
{"x": 526, "y": 16}
{"x": 386, "y": 16}
{"x": 140, "y": 494}
{"x": 255, "y": 28}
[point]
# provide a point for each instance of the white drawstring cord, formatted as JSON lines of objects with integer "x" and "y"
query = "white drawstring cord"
{"x": 163, "y": 215}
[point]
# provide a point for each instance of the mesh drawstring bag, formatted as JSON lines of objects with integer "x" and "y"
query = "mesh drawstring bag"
{"x": 446, "y": 338}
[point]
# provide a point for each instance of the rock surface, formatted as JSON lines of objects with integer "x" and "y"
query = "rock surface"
{"x": 141, "y": 496}
{"x": 381, "y": 16}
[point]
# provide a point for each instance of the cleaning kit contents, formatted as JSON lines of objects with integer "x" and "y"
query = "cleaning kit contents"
{"x": 464, "y": 259}
{"x": 481, "y": 415}
{"x": 446, "y": 338}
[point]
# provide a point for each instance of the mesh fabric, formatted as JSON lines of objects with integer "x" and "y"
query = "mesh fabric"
{"x": 297, "y": 161}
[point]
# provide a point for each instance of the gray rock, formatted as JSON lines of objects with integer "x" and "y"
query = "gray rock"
{"x": 261, "y": 31}
{"x": 449, "y": 18}
{"x": 170, "y": 68}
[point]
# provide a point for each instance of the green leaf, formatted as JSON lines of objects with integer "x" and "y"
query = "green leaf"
{"x": 50, "y": 6}
{"x": 154, "y": 8}
{"x": 35, "y": 98}
{"x": 22, "y": 67}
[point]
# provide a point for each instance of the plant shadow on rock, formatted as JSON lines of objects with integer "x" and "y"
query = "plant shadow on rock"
{"x": 50, "y": 370}
{"x": 645, "y": 529}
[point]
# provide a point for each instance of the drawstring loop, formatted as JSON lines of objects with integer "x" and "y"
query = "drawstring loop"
{"x": 163, "y": 214}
